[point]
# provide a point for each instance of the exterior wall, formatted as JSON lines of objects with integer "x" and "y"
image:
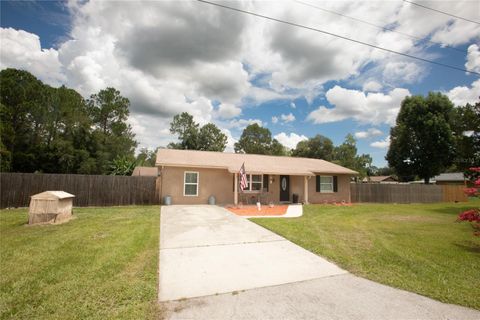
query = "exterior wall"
{"x": 454, "y": 183}
{"x": 216, "y": 182}
{"x": 343, "y": 193}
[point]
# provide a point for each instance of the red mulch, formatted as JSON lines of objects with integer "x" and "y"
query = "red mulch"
{"x": 279, "y": 210}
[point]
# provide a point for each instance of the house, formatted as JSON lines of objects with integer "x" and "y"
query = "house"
{"x": 453, "y": 178}
{"x": 191, "y": 177}
{"x": 379, "y": 179}
{"x": 145, "y": 171}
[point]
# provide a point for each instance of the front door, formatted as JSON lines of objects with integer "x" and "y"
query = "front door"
{"x": 284, "y": 188}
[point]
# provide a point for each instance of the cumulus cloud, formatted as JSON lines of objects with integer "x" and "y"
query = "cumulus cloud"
{"x": 473, "y": 58}
{"x": 375, "y": 108}
{"x": 227, "y": 111}
{"x": 371, "y": 132}
{"x": 22, "y": 50}
{"x": 274, "y": 119}
{"x": 289, "y": 140}
{"x": 372, "y": 85}
{"x": 293, "y": 105}
{"x": 287, "y": 117}
{"x": 381, "y": 144}
{"x": 462, "y": 95}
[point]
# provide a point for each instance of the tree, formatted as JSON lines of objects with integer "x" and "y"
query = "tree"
{"x": 147, "y": 157}
{"x": 113, "y": 136}
{"x": 210, "y": 138}
{"x": 191, "y": 137}
{"x": 346, "y": 155}
{"x": 122, "y": 166}
{"x": 421, "y": 143}
{"x": 186, "y": 129}
{"x": 258, "y": 140}
{"x": 318, "y": 147}
{"x": 466, "y": 129}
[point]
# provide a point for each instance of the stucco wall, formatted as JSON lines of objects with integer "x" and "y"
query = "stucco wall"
{"x": 219, "y": 183}
{"x": 343, "y": 193}
{"x": 216, "y": 182}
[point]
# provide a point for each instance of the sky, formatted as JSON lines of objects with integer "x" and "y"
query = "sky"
{"x": 233, "y": 69}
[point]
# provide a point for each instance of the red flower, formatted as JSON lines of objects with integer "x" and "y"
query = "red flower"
{"x": 474, "y": 169}
{"x": 472, "y": 215}
{"x": 477, "y": 182}
{"x": 471, "y": 192}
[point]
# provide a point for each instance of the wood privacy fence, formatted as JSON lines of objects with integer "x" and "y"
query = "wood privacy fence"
{"x": 405, "y": 193}
{"x": 89, "y": 190}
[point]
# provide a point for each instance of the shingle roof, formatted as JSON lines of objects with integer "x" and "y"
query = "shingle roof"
{"x": 453, "y": 176}
{"x": 254, "y": 163}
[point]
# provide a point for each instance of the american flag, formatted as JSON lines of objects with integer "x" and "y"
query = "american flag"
{"x": 243, "y": 178}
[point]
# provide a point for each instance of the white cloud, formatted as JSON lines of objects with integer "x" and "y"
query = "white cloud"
{"x": 227, "y": 111}
{"x": 293, "y": 105}
{"x": 240, "y": 124}
{"x": 371, "y": 132}
{"x": 20, "y": 49}
{"x": 372, "y": 85}
{"x": 274, "y": 119}
{"x": 287, "y": 117}
{"x": 372, "y": 108}
{"x": 289, "y": 140}
{"x": 473, "y": 58}
{"x": 381, "y": 144}
{"x": 462, "y": 95}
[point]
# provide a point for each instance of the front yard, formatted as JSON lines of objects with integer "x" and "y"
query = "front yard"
{"x": 101, "y": 265}
{"x": 418, "y": 248}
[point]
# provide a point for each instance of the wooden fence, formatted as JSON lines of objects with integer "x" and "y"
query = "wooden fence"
{"x": 405, "y": 193}
{"x": 89, "y": 190}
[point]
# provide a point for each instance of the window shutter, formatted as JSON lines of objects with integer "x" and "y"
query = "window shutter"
{"x": 335, "y": 184}
{"x": 317, "y": 186}
{"x": 266, "y": 181}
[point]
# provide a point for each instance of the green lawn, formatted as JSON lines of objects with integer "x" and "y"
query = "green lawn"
{"x": 416, "y": 247}
{"x": 101, "y": 265}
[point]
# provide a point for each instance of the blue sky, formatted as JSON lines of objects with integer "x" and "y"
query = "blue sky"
{"x": 230, "y": 69}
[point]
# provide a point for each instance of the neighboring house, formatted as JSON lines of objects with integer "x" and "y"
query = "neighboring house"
{"x": 145, "y": 171}
{"x": 379, "y": 179}
{"x": 191, "y": 177}
{"x": 454, "y": 178}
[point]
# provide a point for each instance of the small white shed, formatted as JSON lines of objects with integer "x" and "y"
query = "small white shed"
{"x": 50, "y": 207}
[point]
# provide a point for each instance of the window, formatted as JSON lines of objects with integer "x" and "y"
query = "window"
{"x": 254, "y": 182}
{"x": 326, "y": 184}
{"x": 190, "y": 184}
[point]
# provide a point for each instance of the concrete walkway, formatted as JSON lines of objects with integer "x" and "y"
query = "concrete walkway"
{"x": 230, "y": 268}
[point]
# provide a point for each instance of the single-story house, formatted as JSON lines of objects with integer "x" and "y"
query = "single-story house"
{"x": 379, "y": 179}
{"x": 145, "y": 171}
{"x": 191, "y": 177}
{"x": 453, "y": 178}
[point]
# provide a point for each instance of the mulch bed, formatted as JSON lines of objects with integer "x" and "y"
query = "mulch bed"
{"x": 279, "y": 210}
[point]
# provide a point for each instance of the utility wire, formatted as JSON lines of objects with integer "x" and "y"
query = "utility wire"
{"x": 439, "y": 11}
{"x": 338, "y": 36}
{"x": 378, "y": 26}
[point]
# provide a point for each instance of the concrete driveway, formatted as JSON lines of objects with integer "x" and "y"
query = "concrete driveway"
{"x": 215, "y": 265}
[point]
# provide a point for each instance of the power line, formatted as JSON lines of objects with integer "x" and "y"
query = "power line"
{"x": 439, "y": 11}
{"x": 338, "y": 36}
{"x": 378, "y": 26}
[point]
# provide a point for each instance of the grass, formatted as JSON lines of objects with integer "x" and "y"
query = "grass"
{"x": 416, "y": 247}
{"x": 101, "y": 265}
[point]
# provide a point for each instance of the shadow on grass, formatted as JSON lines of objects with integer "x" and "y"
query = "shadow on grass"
{"x": 468, "y": 246}
{"x": 453, "y": 210}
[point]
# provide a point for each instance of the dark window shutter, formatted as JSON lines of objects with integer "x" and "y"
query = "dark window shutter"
{"x": 335, "y": 184}
{"x": 266, "y": 181}
{"x": 317, "y": 186}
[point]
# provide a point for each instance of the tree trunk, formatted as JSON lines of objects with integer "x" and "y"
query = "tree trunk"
{"x": 427, "y": 180}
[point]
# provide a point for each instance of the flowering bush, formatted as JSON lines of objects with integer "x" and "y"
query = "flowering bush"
{"x": 473, "y": 215}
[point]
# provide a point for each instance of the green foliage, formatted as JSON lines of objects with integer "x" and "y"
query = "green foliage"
{"x": 422, "y": 142}
{"x": 192, "y": 137}
{"x": 258, "y": 140}
{"x": 55, "y": 130}
{"x": 318, "y": 147}
{"x": 122, "y": 166}
{"x": 466, "y": 128}
{"x": 146, "y": 157}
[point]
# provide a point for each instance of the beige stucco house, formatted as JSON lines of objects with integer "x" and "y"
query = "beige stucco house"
{"x": 191, "y": 177}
